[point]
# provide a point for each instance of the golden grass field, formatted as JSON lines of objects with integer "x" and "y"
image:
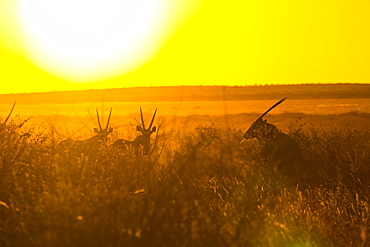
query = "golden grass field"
{"x": 199, "y": 186}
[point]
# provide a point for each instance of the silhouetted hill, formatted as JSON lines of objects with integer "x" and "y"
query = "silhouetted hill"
{"x": 196, "y": 93}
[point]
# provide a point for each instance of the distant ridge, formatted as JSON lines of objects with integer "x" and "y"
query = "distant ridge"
{"x": 195, "y": 93}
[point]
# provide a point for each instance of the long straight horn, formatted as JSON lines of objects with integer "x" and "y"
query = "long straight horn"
{"x": 272, "y": 107}
{"x": 7, "y": 118}
{"x": 110, "y": 113}
{"x": 151, "y": 123}
{"x": 142, "y": 118}
{"x": 97, "y": 114}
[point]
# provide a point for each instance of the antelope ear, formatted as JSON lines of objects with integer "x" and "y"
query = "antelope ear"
{"x": 96, "y": 130}
{"x": 139, "y": 128}
{"x": 154, "y": 129}
{"x": 265, "y": 120}
{"x": 110, "y": 130}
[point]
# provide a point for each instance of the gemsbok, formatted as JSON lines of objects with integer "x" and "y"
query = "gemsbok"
{"x": 142, "y": 140}
{"x": 3, "y": 124}
{"x": 277, "y": 146}
{"x": 263, "y": 131}
{"x": 76, "y": 147}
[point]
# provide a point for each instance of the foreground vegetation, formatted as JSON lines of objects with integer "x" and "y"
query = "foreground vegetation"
{"x": 199, "y": 188}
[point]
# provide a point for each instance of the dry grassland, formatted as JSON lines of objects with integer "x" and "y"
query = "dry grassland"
{"x": 198, "y": 187}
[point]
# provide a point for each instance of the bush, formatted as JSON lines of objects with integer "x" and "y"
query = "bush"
{"x": 202, "y": 189}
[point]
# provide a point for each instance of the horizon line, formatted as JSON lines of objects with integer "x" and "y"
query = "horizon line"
{"x": 174, "y": 86}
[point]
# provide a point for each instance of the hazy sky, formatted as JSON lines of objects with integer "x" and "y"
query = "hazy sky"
{"x": 48, "y": 45}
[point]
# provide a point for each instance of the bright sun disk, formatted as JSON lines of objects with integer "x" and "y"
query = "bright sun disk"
{"x": 92, "y": 40}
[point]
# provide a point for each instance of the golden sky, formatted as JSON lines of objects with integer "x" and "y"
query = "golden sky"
{"x": 48, "y": 45}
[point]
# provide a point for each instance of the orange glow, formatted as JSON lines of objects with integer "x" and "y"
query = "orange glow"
{"x": 85, "y": 40}
{"x": 196, "y": 42}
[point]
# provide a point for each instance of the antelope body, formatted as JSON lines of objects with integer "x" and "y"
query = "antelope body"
{"x": 89, "y": 145}
{"x": 142, "y": 140}
{"x": 276, "y": 145}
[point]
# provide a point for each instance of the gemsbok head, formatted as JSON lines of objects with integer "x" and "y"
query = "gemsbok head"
{"x": 276, "y": 146}
{"x": 3, "y": 124}
{"x": 263, "y": 131}
{"x": 88, "y": 145}
{"x": 142, "y": 140}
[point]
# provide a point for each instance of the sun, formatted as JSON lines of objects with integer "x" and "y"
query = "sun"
{"x": 92, "y": 40}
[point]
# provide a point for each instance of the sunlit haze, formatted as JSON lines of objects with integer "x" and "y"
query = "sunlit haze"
{"x": 48, "y": 45}
{"x": 87, "y": 40}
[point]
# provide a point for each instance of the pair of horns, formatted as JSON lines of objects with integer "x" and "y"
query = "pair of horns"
{"x": 142, "y": 119}
{"x": 7, "y": 118}
{"x": 272, "y": 107}
{"x": 97, "y": 114}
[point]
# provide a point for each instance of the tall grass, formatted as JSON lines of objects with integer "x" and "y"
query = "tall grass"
{"x": 198, "y": 188}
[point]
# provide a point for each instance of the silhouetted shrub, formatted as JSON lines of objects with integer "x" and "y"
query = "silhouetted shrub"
{"x": 197, "y": 188}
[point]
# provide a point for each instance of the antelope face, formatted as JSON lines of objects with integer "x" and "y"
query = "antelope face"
{"x": 102, "y": 134}
{"x": 146, "y": 132}
{"x": 256, "y": 130}
{"x": 144, "y": 138}
{"x": 262, "y": 130}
